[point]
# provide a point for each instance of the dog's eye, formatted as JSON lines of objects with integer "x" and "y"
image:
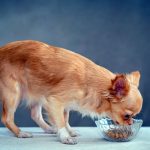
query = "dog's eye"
{"x": 127, "y": 116}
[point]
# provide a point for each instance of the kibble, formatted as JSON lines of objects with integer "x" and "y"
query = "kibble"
{"x": 119, "y": 134}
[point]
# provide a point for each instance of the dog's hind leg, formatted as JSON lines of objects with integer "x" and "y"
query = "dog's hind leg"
{"x": 36, "y": 114}
{"x": 10, "y": 100}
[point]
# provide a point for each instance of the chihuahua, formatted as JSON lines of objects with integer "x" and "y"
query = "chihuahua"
{"x": 58, "y": 81}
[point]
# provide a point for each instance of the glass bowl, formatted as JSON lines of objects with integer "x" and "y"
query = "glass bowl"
{"x": 118, "y": 133}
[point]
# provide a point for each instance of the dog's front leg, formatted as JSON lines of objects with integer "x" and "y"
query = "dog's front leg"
{"x": 72, "y": 132}
{"x": 55, "y": 110}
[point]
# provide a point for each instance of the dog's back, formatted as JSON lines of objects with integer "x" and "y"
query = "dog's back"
{"x": 35, "y": 67}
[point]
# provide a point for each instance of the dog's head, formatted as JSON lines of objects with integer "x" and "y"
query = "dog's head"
{"x": 125, "y": 98}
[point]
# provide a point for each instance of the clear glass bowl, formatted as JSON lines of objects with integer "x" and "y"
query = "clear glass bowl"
{"x": 118, "y": 133}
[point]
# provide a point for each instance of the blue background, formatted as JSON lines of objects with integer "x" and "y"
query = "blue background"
{"x": 112, "y": 33}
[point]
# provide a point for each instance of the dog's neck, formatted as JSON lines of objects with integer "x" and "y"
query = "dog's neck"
{"x": 98, "y": 82}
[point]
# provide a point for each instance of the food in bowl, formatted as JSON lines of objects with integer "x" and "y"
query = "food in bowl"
{"x": 118, "y": 133}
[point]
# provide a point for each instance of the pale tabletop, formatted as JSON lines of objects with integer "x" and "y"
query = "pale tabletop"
{"x": 89, "y": 139}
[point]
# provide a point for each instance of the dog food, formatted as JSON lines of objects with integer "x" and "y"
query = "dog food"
{"x": 117, "y": 134}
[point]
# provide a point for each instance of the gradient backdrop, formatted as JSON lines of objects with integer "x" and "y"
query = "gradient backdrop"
{"x": 112, "y": 33}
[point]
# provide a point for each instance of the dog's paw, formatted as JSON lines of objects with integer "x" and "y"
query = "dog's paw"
{"x": 65, "y": 137}
{"x": 69, "y": 140}
{"x": 73, "y": 133}
{"x": 24, "y": 135}
{"x": 51, "y": 130}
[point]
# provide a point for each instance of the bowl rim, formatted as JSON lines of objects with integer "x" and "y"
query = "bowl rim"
{"x": 137, "y": 121}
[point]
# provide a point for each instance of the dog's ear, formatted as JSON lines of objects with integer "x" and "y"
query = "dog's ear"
{"x": 119, "y": 87}
{"x": 134, "y": 78}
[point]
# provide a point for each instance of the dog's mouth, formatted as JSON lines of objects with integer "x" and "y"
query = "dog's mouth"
{"x": 126, "y": 122}
{"x": 130, "y": 121}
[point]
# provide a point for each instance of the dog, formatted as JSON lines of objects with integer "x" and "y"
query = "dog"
{"x": 59, "y": 80}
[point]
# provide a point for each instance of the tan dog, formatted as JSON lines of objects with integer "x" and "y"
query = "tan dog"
{"x": 59, "y": 80}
